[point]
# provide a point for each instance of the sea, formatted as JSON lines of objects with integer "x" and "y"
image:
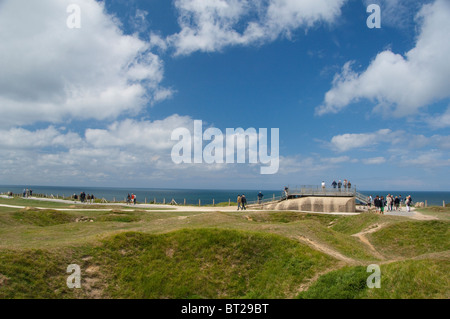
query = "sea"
{"x": 206, "y": 196}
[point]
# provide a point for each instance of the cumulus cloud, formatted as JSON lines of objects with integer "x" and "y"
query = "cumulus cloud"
{"x": 51, "y": 72}
{"x": 346, "y": 142}
{"x": 209, "y": 26}
{"x": 400, "y": 83}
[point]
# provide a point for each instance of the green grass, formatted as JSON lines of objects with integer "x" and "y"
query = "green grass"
{"x": 208, "y": 263}
{"x": 412, "y": 279}
{"x": 171, "y": 254}
{"x": 355, "y": 224}
{"x": 42, "y": 217}
{"x": 412, "y": 238}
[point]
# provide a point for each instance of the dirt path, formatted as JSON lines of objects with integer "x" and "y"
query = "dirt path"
{"x": 325, "y": 249}
{"x": 362, "y": 237}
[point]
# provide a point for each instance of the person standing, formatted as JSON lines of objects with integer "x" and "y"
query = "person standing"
{"x": 134, "y": 199}
{"x": 323, "y": 186}
{"x": 396, "y": 203}
{"x": 260, "y": 197}
{"x": 334, "y": 184}
{"x": 239, "y": 200}
{"x": 243, "y": 201}
{"x": 345, "y": 184}
{"x": 382, "y": 205}
{"x": 389, "y": 202}
{"x": 339, "y": 185}
{"x": 408, "y": 203}
{"x": 349, "y": 185}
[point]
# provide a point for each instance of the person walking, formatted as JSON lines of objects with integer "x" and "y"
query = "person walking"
{"x": 239, "y": 201}
{"x": 389, "y": 202}
{"x": 339, "y": 185}
{"x": 134, "y": 199}
{"x": 243, "y": 201}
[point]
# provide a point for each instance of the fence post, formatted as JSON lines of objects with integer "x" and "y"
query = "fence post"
{"x": 114, "y": 199}
{"x": 214, "y": 203}
{"x": 426, "y": 203}
{"x": 185, "y": 202}
{"x": 199, "y": 203}
{"x": 229, "y": 201}
{"x": 164, "y": 201}
{"x": 443, "y": 203}
{"x": 146, "y": 200}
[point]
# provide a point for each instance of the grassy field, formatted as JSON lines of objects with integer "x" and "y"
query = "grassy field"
{"x": 126, "y": 252}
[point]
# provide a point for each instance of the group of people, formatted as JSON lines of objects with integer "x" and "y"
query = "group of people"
{"x": 84, "y": 198}
{"x": 241, "y": 201}
{"x": 27, "y": 192}
{"x": 131, "y": 199}
{"x": 346, "y": 184}
{"x": 390, "y": 203}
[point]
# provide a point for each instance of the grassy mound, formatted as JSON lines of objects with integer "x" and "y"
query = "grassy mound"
{"x": 412, "y": 279}
{"x": 43, "y": 217}
{"x": 412, "y": 238}
{"x": 32, "y": 274}
{"x": 207, "y": 263}
{"x": 354, "y": 224}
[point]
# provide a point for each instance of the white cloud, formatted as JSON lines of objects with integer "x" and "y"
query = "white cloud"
{"x": 374, "y": 161}
{"x": 346, "y": 142}
{"x": 402, "y": 83}
{"x": 440, "y": 121}
{"x": 209, "y": 26}
{"x": 143, "y": 134}
{"x": 50, "y": 72}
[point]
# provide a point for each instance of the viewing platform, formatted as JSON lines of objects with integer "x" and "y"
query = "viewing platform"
{"x": 314, "y": 199}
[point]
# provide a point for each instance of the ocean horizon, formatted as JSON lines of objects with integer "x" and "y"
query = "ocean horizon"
{"x": 206, "y": 196}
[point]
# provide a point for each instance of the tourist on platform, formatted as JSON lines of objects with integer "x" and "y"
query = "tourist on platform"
{"x": 334, "y": 184}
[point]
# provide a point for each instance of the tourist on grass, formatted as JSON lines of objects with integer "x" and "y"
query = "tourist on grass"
{"x": 128, "y": 199}
{"x": 369, "y": 201}
{"x": 239, "y": 201}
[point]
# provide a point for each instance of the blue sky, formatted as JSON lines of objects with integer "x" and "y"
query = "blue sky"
{"x": 96, "y": 106}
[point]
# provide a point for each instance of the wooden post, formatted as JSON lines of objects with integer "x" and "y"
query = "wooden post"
{"x": 426, "y": 203}
{"x": 214, "y": 203}
{"x": 199, "y": 203}
{"x": 229, "y": 201}
{"x": 154, "y": 200}
{"x": 164, "y": 201}
{"x": 185, "y": 202}
{"x": 443, "y": 203}
{"x": 273, "y": 197}
{"x": 146, "y": 200}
